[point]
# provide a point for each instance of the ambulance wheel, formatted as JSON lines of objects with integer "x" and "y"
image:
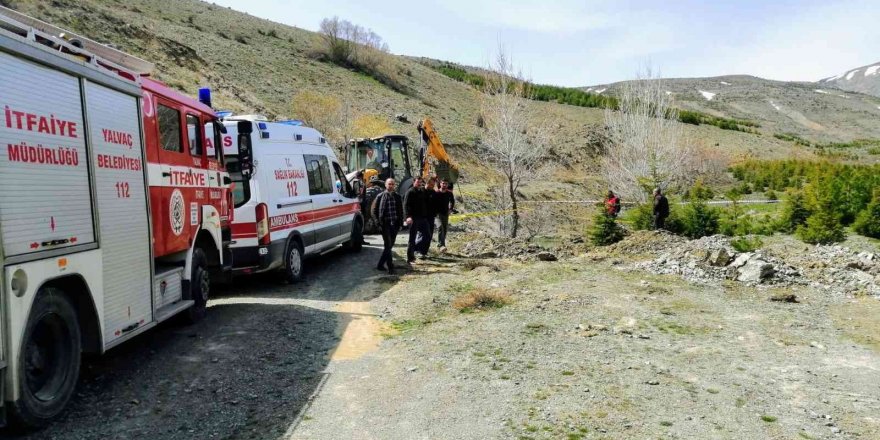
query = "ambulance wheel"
{"x": 356, "y": 241}
{"x": 199, "y": 287}
{"x": 49, "y": 360}
{"x": 293, "y": 262}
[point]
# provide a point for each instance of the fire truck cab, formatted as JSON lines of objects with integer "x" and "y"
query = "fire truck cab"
{"x": 114, "y": 209}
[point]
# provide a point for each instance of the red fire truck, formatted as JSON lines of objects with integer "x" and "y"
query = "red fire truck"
{"x": 114, "y": 208}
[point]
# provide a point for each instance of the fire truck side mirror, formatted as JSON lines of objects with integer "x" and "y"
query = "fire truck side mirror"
{"x": 245, "y": 154}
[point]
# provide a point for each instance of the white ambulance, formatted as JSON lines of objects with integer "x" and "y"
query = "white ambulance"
{"x": 296, "y": 204}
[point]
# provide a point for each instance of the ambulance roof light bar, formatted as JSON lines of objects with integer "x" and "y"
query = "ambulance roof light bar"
{"x": 97, "y": 53}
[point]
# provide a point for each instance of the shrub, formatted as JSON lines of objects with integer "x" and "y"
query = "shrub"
{"x": 481, "y": 299}
{"x": 605, "y": 229}
{"x": 641, "y": 218}
{"x": 746, "y": 244}
{"x": 823, "y": 227}
{"x": 699, "y": 191}
{"x": 699, "y": 220}
{"x": 770, "y": 195}
{"x": 795, "y": 212}
{"x": 868, "y": 221}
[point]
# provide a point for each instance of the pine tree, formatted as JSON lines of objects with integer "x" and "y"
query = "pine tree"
{"x": 868, "y": 221}
{"x": 605, "y": 229}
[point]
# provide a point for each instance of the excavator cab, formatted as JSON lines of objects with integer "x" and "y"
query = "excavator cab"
{"x": 385, "y": 156}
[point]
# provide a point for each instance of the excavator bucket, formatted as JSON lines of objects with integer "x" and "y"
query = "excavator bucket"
{"x": 434, "y": 154}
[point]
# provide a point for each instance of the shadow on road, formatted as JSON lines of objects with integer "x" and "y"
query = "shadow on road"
{"x": 244, "y": 372}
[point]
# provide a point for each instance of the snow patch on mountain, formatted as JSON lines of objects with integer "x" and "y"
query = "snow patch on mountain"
{"x": 775, "y": 106}
{"x": 870, "y": 71}
{"x": 851, "y": 74}
{"x": 707, "y": 95}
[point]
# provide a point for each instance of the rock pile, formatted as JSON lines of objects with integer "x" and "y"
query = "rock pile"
{"x": 836, "y": 269}
{"x": 711, "y": 259}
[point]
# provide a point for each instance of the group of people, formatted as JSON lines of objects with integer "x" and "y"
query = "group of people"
{"x": 425, "y": 207}
{"x": 660, "y": 207}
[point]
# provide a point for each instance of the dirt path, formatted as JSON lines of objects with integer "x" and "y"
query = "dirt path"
{"x": 245, "y": 372}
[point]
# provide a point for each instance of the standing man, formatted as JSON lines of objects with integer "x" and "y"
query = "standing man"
{"x": 445, "y": 203}
{"x": 415, "y": 209}
{"x": 376, "y": 187}
{"x": 432, "y": 202}
{"x": 388, "y": 212}
{"x": 612, "y": 204}
{"x": 661, "y": 209}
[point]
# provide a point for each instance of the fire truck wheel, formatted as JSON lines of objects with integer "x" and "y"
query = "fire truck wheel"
{"x": 49, "y": 359}
{"x": 293, "y": 262}
{"x": 200, "y": 286}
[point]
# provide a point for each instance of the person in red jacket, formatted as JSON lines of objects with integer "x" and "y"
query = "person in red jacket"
{"x": 612, "y": 204}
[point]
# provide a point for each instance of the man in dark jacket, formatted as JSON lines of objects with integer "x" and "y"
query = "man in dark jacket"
{"x": 415, "y": 209}
{"x": 431, "y": 194}
{"x": 661, "y": 209}
{"x": 444, "y": 202}
{"x": 377, "y": 186}
{"x": 388, "y": 212}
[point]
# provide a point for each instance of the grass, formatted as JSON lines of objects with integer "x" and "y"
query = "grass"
{"x": 568, "y": 373}
{"x": 481, "y": 299}
{"x": 769, "y": 419}
{"x": 666, "y": 423}
{"x": 860, "y": 321}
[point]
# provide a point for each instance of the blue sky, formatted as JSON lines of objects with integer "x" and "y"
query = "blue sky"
{"x": 577, "y": 43}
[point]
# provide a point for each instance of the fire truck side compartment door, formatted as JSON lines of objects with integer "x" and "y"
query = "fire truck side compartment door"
{"x": 122, "y": 206}
{"x": 44, "y": 182}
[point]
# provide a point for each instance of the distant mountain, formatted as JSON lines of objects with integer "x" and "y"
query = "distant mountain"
{"x": 818, "y": 111}
{"x": 865, "y": 79}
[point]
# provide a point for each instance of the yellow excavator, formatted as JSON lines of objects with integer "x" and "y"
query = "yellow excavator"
{"x": 389, "y": 156}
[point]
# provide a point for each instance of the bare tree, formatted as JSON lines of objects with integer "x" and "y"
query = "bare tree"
{"x": 514, "y": 140}
{"x": 645, "y": 147}
{"x": 351, "y": 44}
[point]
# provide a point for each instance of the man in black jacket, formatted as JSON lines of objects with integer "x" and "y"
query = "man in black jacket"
{"x": 445, "y": 202}
{"x": 388, "y": 212}
{"x": 661, "y": 209}
{"x": 415, "y": 209}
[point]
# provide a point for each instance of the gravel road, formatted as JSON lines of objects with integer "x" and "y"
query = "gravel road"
{"x": 244, "y": 372}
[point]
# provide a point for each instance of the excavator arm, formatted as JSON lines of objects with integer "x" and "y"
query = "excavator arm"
{"x": 434, "y": 154}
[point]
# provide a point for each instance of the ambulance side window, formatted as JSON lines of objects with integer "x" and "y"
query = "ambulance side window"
{"x": 169, "y": 128}
{"x": 193, "y": 130}
{"x": 318, "y": 171}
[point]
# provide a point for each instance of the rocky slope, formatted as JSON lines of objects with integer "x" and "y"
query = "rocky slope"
{"x": 816, "y": 111}
{"x": 865, "y": 79}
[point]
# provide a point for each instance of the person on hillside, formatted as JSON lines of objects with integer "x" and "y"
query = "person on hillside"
{"x": 415, "y": 209}
{"x": 445, "y": 203}
{"x": 612, "y": 204}
{"x": 388, "y": 212}
{"x": 661, "y": 209}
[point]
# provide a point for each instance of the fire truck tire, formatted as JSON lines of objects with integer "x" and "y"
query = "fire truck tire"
{"x": 293, "y": 261}
{"x": 49, "y": 360}
{"x": 356, "y": 240}
{"x": 200, "y": 287}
